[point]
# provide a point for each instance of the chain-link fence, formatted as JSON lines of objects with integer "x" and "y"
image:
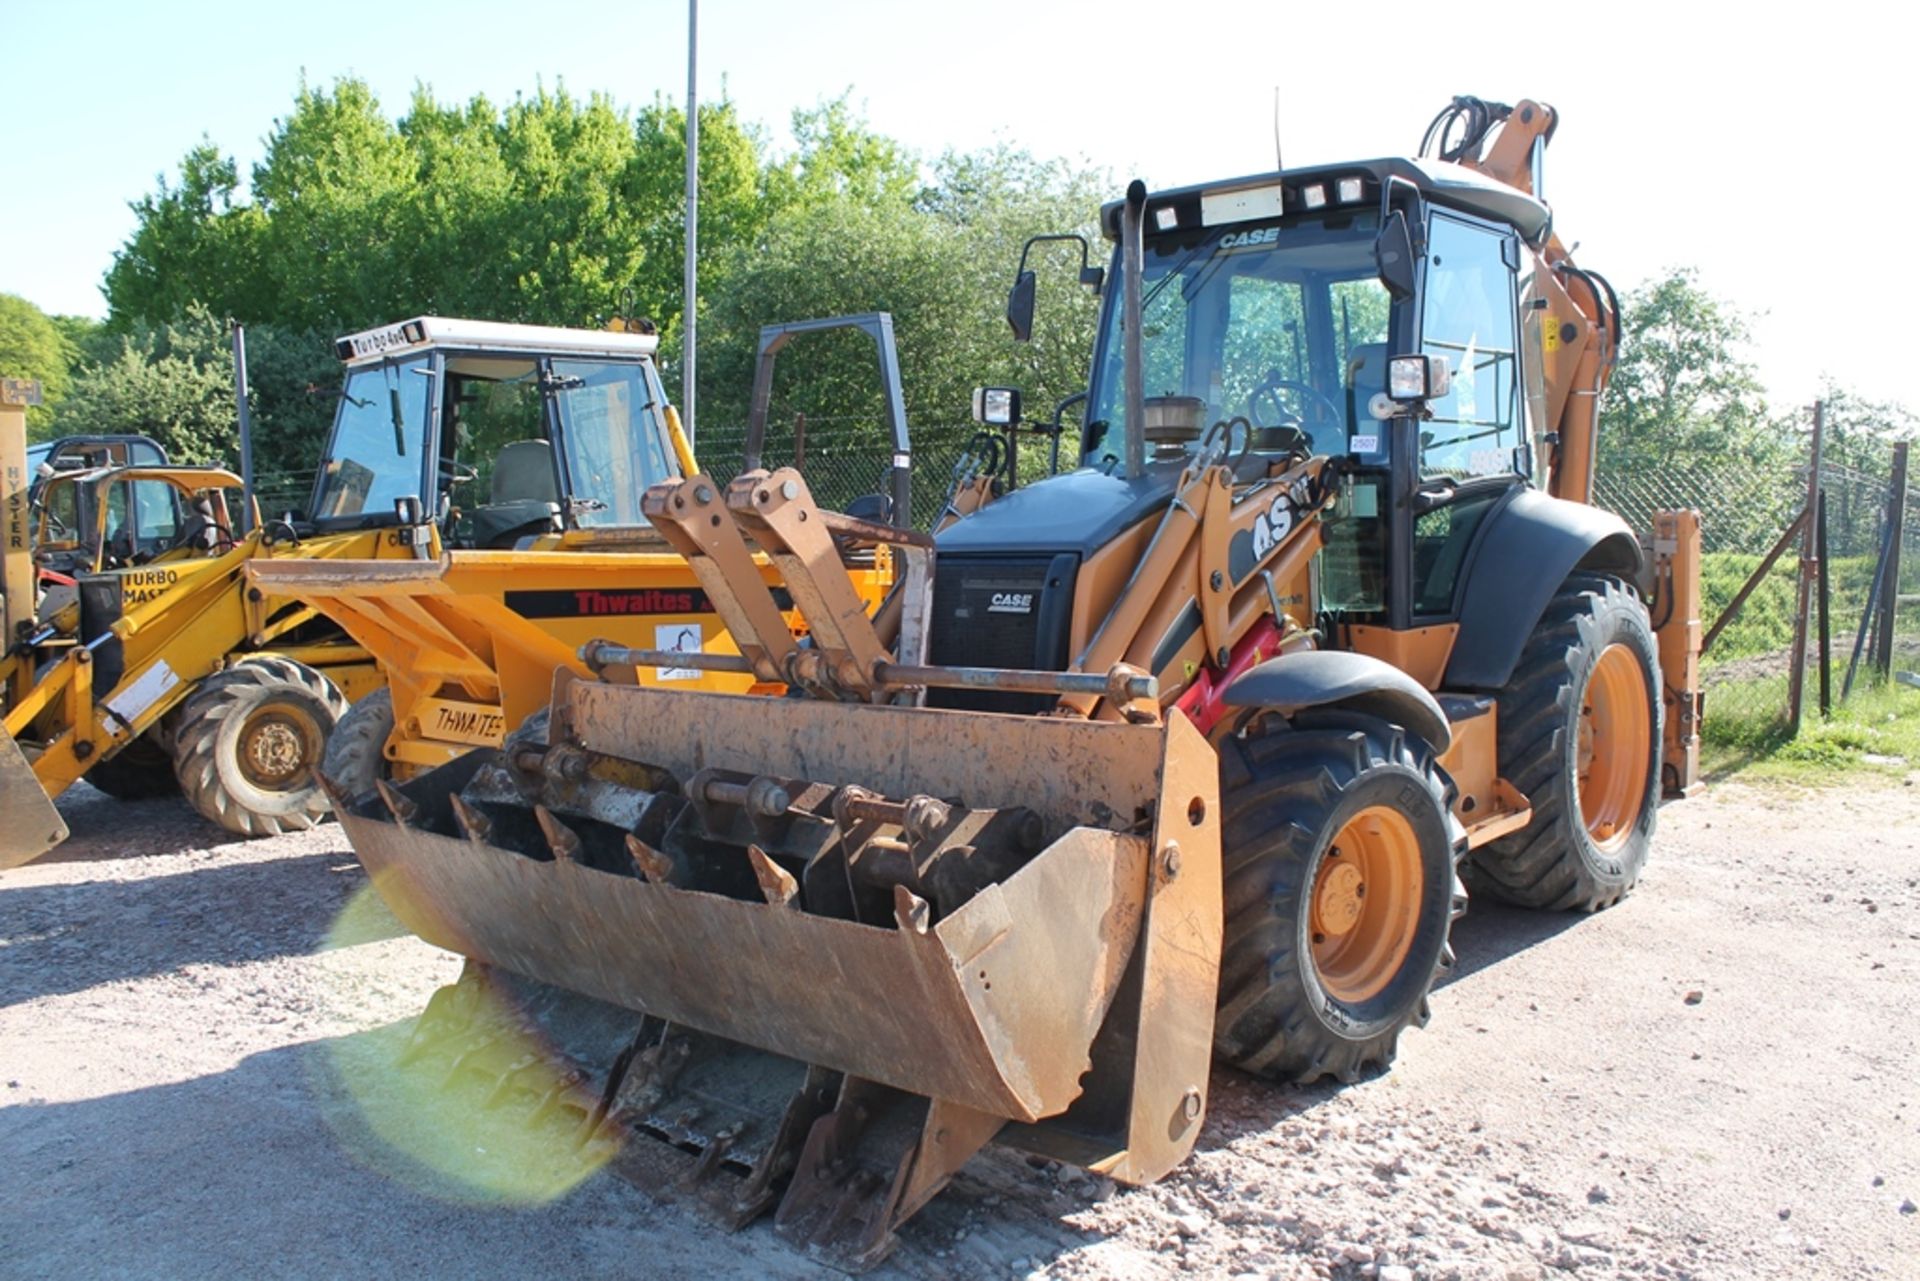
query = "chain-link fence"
{"x": 845, "y": 459}
{"x": 280, "y": 492}
{"x": 1747, "y": 509}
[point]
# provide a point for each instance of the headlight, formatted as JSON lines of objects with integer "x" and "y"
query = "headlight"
{"x": 1411, "y": 378}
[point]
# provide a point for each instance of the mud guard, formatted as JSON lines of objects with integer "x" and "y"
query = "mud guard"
{"x": 1531, "y": 543}
{"x": 1327, "y": 678}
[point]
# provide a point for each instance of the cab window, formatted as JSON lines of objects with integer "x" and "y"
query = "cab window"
{"x": 614, "y": 437}
{"x": 1470, "y": 318}
{"x": 377, "y": 441}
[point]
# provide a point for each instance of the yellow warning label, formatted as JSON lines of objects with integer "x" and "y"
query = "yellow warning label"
{"x": 1550, "y": 331}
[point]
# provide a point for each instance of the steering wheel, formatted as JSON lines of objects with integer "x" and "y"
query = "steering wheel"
{"x": 1267, "y": 394}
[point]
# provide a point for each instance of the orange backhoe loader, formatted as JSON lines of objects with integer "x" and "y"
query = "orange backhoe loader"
{"x": 1170, "y": 758}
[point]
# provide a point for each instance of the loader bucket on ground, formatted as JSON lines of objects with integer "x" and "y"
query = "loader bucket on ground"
{"x": 915, "y": 1012}
{"x": 32, "y": 825}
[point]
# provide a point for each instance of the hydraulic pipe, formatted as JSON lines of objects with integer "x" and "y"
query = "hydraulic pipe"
{"x": 1137, "y": 686}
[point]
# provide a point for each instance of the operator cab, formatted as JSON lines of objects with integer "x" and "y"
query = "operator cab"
{"x": 499, "y": 432}
{"x": 1267, "y": 308}
{"x": 143, "y": 516}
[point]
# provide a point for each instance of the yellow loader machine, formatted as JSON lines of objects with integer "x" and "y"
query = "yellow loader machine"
{"x": 169, "y": 667}
{"x": 1169, "y": 758}
{"x": 468, "y": 636}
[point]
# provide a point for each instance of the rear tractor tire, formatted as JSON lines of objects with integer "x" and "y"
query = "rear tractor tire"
{"x": 1580, "y": 736}
{"x": 248, "y": 742}
{"x": 356, "y": 754}
{"x": 1340, "y": 853}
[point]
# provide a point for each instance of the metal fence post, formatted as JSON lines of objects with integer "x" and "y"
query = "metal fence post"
{"x": 1826, "y": 605}
{"x": 1890, "y": 596}
{"x": 1809, "y": 566}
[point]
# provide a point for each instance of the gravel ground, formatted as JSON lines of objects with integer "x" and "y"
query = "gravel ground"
{"x": 1716, "y": 1078}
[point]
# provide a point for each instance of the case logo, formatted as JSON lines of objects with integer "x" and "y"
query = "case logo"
{"x": 1011, "y": 603}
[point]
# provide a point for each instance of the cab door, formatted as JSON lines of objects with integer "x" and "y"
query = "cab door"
{"x": 1474, "y": 450}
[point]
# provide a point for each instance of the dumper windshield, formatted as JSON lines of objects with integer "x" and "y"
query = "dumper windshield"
{"x": 615, "y": 438}
{"x": 1282, "y": 323}
{"x": 378, "y": 439}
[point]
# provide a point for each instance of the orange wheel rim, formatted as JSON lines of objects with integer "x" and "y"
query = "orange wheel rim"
{"x": 1366, "y": 903}
{"x": 1615, "y": 738}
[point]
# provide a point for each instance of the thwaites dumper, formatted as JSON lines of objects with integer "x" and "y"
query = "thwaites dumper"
{"x": 170, "y": 667}
{"x": 1170, "y": 758}
{"x": 468, "y": 635}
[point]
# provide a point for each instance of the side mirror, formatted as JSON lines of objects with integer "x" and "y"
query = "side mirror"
{"x": 1020, "y": 306}
{"x": 1393, "y": 257}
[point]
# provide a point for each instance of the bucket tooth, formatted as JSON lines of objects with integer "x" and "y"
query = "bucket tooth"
{"x": 449, "y": 1015}
{"x": 561, "y": 839}
{"x": 910, "y": 910}
{"x": 776, "y": 882}
{"x": 654, "y": 866}
{"x": 715, "y": 1124}
{"x": 403, "y": 810}
{"x": 869, "y": 1165}
{"x": 338, "y": 799}
{"x": 473, "y": 822}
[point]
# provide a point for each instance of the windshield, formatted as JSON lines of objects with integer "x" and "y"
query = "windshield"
{"x": 614, "y": 437}
{"x": 378, "y": 439}
{"x": 1284, "y": 324}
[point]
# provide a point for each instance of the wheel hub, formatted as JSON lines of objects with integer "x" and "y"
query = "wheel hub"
{"x": 274, "y": 751}
{"x": 1337, "y": 904}
{"x": 1613, "y": 741}
{"x": 1365, "y": 905}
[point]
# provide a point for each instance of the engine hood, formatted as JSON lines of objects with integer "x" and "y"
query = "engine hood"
{"x": 1077, "y": 512}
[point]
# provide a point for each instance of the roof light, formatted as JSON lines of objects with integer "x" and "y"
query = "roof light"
{"x": 1349, "y": 190}
{"x": 1166, "y": 218}
{"x": 1315, "y": 196}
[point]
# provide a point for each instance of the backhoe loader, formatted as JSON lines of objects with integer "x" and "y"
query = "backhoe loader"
{"x": 1170, "y": 758}
{"x": 170, "y": 668}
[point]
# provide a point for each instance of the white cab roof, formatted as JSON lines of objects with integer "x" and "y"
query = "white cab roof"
{"x": 423, "y": 332}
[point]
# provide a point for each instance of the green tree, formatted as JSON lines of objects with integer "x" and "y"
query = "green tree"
{"x": 939, "y": 256}
{"x": 1684, "y": 387}
{"x": 191, "y": 244}
{"x": 32, "y": 345}
{"x": 554, "y": 210}
{"x": 173, "y": 382}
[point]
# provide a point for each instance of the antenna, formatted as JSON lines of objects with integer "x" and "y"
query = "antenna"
{"x": 1276, "y": 129}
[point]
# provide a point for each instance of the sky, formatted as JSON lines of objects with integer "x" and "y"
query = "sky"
{"x": 1713, "y": 136}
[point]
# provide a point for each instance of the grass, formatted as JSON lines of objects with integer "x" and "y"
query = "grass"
{"x": 1876, "y": 731}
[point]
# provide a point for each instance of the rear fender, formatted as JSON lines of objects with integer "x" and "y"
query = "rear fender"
{"x": 1532, "y": 542}
{"x": 1328, "y": 679}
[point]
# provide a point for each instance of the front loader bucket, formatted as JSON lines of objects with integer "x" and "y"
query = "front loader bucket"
{"x": 31, "y": 826}
{"x": 855, "y": 942}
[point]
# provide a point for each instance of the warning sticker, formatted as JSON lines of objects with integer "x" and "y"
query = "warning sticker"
{"x": 682, "y": 638}
{"x": 136, "y": 698}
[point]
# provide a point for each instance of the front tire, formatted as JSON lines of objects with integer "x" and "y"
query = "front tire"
{"x": 248, "y": 742}
{"x": 1340, "y": 850}
{"x": 356, "y": 755}
{"x": 1579, "y": 736}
